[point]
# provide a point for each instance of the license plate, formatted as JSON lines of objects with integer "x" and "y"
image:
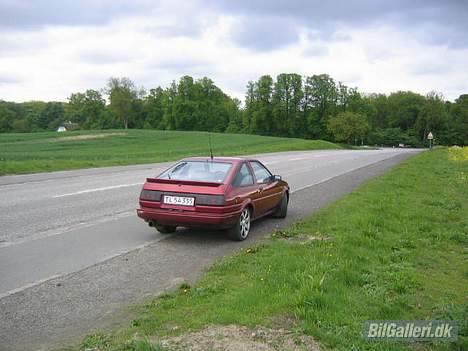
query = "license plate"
{"x": 179, "y": 200}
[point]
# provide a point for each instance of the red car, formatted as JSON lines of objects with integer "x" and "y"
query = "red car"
{"x": 220, "y": 192}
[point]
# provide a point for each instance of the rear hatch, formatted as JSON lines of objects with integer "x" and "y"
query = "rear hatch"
{"x": 182, "y": 194}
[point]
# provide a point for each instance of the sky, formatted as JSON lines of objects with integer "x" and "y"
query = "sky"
{"x": 52, "y": 48}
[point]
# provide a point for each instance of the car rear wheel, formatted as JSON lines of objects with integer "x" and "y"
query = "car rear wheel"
{"x": 282, "y": 210}
{"x": 242, "y": 228}
{"x": 165, "y": 229}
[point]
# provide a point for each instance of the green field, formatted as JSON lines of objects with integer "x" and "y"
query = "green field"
{"x": 44, "y": 152}
{"x": 396, "y": 248}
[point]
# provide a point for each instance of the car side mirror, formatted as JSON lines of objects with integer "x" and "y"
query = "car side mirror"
{"x": 275, "y": 178}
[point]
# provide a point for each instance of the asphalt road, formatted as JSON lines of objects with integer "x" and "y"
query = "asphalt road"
{"x": 73, "y": 253}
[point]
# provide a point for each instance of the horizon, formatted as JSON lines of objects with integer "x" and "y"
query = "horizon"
{"x": 242, "y": 99}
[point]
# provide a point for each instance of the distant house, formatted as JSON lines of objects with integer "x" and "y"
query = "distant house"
{"x": 66, "y": 126}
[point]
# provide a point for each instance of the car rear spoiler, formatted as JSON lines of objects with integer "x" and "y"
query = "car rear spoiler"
{"x": 185, "y": 182}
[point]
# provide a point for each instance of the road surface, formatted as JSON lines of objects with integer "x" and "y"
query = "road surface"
{"x": 73, "y": 253}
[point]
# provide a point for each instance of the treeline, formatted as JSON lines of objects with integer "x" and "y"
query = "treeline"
{"x": 314, "y": 107}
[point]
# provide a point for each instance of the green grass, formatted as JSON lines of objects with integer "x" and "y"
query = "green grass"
{"x": 396, "y": 248}
{"x": 44, "y": 152}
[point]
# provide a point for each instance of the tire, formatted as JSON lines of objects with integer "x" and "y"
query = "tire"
{"x": 241, "y": 230}
{"x": 165, "y": 229}
{"x": 282, "y": 210}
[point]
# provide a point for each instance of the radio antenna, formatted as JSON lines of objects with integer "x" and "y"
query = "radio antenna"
{"x": 211, "y": 150}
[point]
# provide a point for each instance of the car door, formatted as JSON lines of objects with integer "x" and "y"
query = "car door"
{"x": 268, "y": 192}
{"x": 243, "y": 185}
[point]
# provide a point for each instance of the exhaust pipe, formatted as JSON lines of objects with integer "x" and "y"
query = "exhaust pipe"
{"x": 150, "y": 223}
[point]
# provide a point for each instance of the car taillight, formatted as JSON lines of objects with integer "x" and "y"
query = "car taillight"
{"x": 200, "y": 199}
{"x": 210, "y": 200}
{"x": 150, "y": 195}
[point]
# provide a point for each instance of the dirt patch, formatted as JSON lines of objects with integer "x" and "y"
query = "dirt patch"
{"x": 300, "y": 238}
{"x": 89, "y": 136}
{"x": 304, "y": 238}
{"x": 237, "y": 338}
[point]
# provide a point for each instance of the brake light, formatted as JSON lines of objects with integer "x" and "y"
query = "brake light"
{"x": 150, "y": 195}
{"x": 209, "y": 200}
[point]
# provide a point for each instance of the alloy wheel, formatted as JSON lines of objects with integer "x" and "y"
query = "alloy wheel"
{"x": 245, "y": 223}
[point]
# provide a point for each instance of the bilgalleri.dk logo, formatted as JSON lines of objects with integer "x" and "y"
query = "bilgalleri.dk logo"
{"x": 442, "y": 330}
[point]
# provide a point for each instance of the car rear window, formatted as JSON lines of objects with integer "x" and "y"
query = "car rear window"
{"x": 200, "y": 171}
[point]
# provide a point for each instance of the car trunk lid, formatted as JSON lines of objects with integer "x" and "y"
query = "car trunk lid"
{"x": 204, "y": 193}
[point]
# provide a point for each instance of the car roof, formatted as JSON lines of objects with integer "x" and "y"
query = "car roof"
{"x": 218, "y": 159}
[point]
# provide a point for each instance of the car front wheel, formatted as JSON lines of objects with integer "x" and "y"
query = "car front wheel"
{"x": 242, "y": 228}
{"x": 282, "y": 210}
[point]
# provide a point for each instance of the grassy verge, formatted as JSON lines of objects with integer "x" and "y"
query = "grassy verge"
{"x": 396, "y": 248}
{"x": 44, "y": 152}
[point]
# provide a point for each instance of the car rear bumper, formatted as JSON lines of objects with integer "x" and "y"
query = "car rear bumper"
{"x": 187, "y": 218}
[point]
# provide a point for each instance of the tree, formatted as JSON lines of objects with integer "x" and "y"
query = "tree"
{"x": 51, "y": 116}
{"x": 87, "y": 109}
{"x": 403, "y": 109}
{"x": 378, "y": 116}
{"x": 170, "y": 94}
{"x": 458, "y": 123}
{"x": 184, "y": 104}
{"x": 235, "y": 116}
{"x": 248, "y": 121}
{"x": 286, "y": 102}
{"x": 433, "y": 117}
{"x": 7, "y": 117}
{"x": 262, "y": 115}
{"x": 290, "y": 105}
{"x": 323, "y": 99}
{"x": 348, "y": 127}
{"x": 342, "y": 98}
{"x": 213, "y": 107}
{"x": 154, "y": 108}
{"x": 122, "y": 93}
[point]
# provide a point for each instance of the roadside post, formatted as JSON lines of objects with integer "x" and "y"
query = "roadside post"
{"x": 430, "y": 137}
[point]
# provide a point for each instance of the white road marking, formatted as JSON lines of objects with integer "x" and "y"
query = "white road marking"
{"x": 297, "y": 159}
{"x": 97, "y": 189}
{"x": 68, "y": 228}
{"x": 105, "y": 258}
{"x": 349, "y": 170}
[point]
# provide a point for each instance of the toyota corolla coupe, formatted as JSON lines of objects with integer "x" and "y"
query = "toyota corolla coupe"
{"x": 221, "y": 192}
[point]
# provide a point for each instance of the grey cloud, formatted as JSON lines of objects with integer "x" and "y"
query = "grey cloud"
{"x": 181, "y": 66}
{"x": 27, "y": 14}
{"x": 420, "y": 18}
{"x": 188, "y": 28}
{"x": 340, "y": 36}
{"x": 104, "y": 57}
{"x": 423, "y": 69}
{"x": 265, "y": 33}
{"x": 376, "y": 53}
{"x": 6, "y": 79}
{"x": 316, "y": 50}
{"x": 432, "y": 21}
{"x": 11, "y": 47}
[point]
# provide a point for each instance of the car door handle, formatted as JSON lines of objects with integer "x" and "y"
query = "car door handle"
{"x": 260, "y": 190}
